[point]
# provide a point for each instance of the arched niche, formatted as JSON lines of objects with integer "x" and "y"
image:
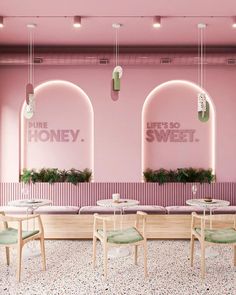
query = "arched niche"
{"x": 172, "y": 135}
{"x": 61, "y": 132}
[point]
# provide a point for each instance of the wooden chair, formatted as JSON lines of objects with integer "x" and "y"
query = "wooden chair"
{"x": 121, "y": 237}
{"x": 212, "y": 235}
{"x": 11, "y": 237}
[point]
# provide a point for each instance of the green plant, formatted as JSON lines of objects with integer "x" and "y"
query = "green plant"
{"x": 52, "y": 175}
{"x": 26, "y": 176}
{"x": 179, "y": 175}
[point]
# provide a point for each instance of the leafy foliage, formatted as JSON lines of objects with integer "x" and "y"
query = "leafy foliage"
{"x": 179, "y": 175}
{"x": 52, "y": 175}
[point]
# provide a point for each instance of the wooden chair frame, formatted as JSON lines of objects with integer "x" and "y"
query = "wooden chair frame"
{"x": 201, "y": 237}
{"x": 105, "y": 244}
{"x": 21, "y": 242}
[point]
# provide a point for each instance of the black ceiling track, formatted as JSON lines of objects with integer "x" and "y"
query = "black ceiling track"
{"x": 7, "y": 49}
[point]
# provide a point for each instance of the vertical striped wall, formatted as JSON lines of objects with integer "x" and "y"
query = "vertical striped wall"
{"x": 88, "y": 193}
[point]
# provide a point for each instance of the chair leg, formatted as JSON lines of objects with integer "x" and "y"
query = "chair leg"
{"x": 19, "y": 250}
{"x": 145, "y": 258}
{"x": 94, "y": 251}
{"x": 203, "y": 260}
{"x": 105, "y": 260}
{"x": 42, "y": 246}
{"x": 191, "y": 249}
{"x": 8, "y": 255}
{"x": 135, "y": 255}
{"x": 234, "y": 255}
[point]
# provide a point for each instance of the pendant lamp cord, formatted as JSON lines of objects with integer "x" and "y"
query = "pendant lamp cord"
{"x": 201, "y": 56}
{"x": 117, "y": 47}
{"x": 31, "y": 56}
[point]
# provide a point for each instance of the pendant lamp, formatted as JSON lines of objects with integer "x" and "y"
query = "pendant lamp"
{"x": 117, "y": 71}
{"x": 30, "y": 99}
{"x": 203, "y": 104}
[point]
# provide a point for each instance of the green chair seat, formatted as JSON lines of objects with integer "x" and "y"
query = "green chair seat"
{"x": 224, "y": 236}
{"x": 125, "y": 236}
{"x": 10, "y": 235}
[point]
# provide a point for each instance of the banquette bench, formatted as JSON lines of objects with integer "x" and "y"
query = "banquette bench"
{"x": 72, "y": 222}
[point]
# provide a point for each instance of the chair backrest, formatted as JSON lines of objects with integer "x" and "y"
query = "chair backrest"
{"x": 218, "y": 220}
{"x": 3, "y": 219}
{"x": 108, "y": 222}
{"x": 141, "y": 217}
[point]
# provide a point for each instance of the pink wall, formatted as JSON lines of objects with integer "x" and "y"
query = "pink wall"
{"x": 118, "y": 131}
{"x": 60, "y": 134}
{"x": 172, "y": 130}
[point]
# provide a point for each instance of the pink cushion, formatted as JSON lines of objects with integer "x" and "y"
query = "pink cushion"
{"x": 15, "y": 210}
{"x": 225, "y": 210}
{"x": 185, "y": 209}
{"x": 57, "y": 210}
{"x": 145, "y": 208}
{"x": 98, "y": 209}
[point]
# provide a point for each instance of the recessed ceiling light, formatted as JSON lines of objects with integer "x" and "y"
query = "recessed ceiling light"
{"x": 77, "y": 21}
{"x": 156, "y": 21}
{"x": 1, "y": 22}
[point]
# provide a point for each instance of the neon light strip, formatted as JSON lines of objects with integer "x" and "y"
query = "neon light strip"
{"x": 23, "y": 120}
{"x": 212, "y": 109}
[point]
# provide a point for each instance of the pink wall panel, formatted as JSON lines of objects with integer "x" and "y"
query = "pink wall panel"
{"x": 118, "y": 131}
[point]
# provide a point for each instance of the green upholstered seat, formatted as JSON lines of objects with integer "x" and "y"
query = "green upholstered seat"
{"x": 125, "y": 236}
{"x": 10, "y": 235}
{"x": 224, "y": 236}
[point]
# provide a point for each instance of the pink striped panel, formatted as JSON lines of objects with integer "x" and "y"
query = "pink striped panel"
{"x": 88, "y": 193}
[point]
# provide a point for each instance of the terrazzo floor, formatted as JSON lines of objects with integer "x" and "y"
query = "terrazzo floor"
{"x": 69, "y": 271}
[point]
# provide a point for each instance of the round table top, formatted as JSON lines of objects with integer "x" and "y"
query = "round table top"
{"x": 120, "y": 204}
{"x": 30, "y": 203}
{"x": 204, "y": 203}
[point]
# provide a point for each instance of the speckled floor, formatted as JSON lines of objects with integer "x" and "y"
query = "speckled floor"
{"x": 69, "y": 271}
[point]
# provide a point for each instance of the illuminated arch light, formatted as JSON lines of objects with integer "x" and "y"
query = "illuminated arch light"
{"x": 36, "y": 90}
{"x": 198, "y": 89}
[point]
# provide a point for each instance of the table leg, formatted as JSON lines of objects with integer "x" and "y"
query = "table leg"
{"x": 30, "y": 250}
{"x": 209, "y": 252}
{"x": 210, "y": 217}
{"x": 117, "y": 252}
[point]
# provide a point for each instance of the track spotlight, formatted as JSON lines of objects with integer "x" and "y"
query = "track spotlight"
{"x": 1, "y": 22}
{"x": 77, "y": 21}
{"x": 234, "y": 22}
{"x": 156, "y": 22}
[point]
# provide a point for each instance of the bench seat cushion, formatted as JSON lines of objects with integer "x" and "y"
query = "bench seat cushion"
{"x": 98, "y": 209}
{"x": 15, "y": 210}
{"x": 185, "y": 210}
{"x": 225, "y": 210}
{"x": 145, "y": 208}
{"x": 57, "y": 210}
